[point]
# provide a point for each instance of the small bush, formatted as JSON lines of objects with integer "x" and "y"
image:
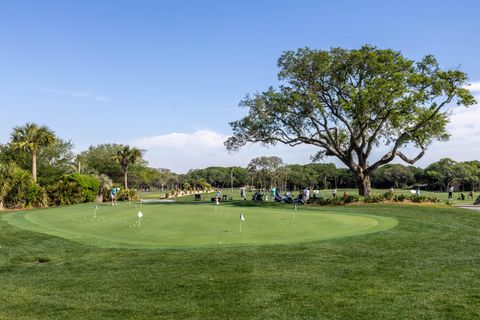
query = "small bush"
{"x": 19, "y": 189}
{"x": 399, "y": 197}
{"x": 428, "y": 198}
{"x": 65, "y": 192}
{"x": 73, "y": 189}
{"x": 336, "y": 201}
{"x": 418, "y": 199}
{"x": 373, "y": 198}
{"x": 433, "y": 199}
{"x": 320, "y": 201}
{"x": 128, "y": 195}
{"x": 352, "y": 198}
{"x": 89, "y": 184}
{"x": 388, "y": 195}
{"x": 36, "y": 196}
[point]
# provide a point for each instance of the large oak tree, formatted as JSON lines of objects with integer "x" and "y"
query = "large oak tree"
{"x": 350, "y": 102}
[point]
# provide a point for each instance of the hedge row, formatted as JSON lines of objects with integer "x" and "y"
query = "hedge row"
{"x": 373, "y": 198}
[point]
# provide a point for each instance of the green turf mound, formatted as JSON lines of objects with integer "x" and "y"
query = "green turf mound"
{"x": 194, "y": 225}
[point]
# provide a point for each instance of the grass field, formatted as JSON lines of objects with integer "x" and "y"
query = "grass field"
{"x": 194, "y": 225}
{"x": 426, "y": 267}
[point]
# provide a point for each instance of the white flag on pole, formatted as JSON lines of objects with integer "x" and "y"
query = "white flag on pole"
{"x": 242, "y": 217}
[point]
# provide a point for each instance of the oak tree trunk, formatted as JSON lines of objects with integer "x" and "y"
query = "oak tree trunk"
{"x": 365, "y": 186}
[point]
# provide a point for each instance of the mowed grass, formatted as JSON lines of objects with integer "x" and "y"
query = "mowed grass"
{"x": 427, "y": 267}
{"x": 194, "y": 225}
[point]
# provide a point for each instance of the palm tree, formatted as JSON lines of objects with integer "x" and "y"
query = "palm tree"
{"x": 31, "y": 138}
{"x": 6, "y": 172}
{"x": 126, "y": 157}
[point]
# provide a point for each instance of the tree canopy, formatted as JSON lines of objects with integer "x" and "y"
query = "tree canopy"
{"x": 350, "y": 102}
{"x": 31, "y": 138}
{"x": 125, "y": 157}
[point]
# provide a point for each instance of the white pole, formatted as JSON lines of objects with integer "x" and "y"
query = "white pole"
{"x": 140, "y": 215}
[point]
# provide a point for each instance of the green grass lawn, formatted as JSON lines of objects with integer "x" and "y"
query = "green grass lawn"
{"x": 426, "y": 267}
{"x": 171, "y": 225}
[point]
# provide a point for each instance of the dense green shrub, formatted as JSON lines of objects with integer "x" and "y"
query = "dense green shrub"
{"x": 73, "y": 189}
{"x": 89, "y": 184}
{"x": 128, "y": 195}
{"x": 388, "y": 195}
{"x": 18, "y": 190}
{"x": 350, "y": 198}
{"x": 433, "y": 199}
{"x": 36, "y": 196}
{"x": 419, "y": 199}
{"x": 65, "y": 192}
{"x": 374, "y": 197}
{"x": 319, "y": 201}
{"x": 399, "y": 197}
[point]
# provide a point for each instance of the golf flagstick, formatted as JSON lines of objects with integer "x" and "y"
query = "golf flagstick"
{"x": 242, "y": 218}
{"x": 140, "y": 215}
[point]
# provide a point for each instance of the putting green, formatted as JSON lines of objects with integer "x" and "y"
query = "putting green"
{"x": 193, "y": 225}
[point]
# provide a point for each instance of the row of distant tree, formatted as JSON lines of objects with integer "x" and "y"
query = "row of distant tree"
{"x": 42, "y": 168}
{"x": 265, "y": 172}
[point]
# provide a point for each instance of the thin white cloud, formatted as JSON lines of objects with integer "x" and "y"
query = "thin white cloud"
{"x": 464, "y": 143}
{"x": 85, "y": 94}
{"x": 474, "y": 87}
{"x": 181, "y": 151}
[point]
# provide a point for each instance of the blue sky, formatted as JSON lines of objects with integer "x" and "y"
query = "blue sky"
{"x": 142, "y": 72}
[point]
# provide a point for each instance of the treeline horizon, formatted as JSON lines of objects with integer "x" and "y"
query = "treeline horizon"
{"x": 38, "y": 168}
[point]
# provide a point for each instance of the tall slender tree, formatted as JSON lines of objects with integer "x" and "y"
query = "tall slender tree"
{"x": 31, "y": 138}
{"x": 126, "y": 157}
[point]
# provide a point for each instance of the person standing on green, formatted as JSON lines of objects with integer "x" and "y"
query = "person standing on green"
{"x": 113, "y": 195}
{"x": 450, "y": 193}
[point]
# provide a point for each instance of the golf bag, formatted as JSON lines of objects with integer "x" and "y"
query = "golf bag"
{"x": 477, "y": 201}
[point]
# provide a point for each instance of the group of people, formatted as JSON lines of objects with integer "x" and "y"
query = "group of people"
{"x": 461, "y": 196}
{"x": 302, "y": 197}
